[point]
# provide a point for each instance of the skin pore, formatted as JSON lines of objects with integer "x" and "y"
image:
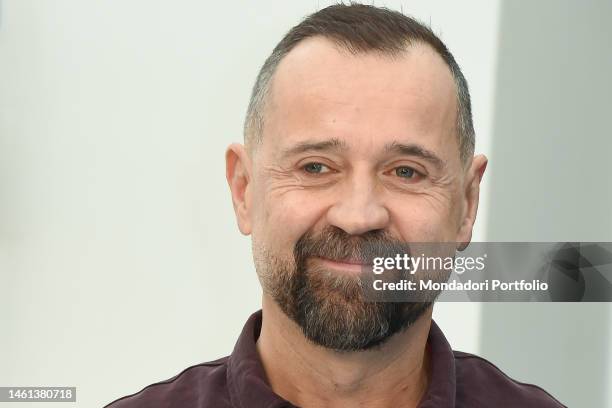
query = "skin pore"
{"x": 362, "y": 143}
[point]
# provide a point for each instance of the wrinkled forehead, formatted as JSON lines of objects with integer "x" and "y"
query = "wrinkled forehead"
{"x": 321, "y": 90}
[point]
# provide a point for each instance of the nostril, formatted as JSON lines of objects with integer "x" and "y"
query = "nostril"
{"x": 359, "y": 210}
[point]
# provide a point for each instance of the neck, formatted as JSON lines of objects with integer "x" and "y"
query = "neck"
{"x": 394, "y": 374}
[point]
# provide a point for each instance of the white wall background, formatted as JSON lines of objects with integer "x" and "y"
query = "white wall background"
{"x": 120, "y": 262}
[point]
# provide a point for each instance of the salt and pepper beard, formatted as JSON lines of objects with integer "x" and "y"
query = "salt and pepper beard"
{"x": 330, "y": 307}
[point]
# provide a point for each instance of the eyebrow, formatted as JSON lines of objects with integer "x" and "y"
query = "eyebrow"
{"x": 416, "y": 150}
{"x": 335, "y": 144}
{"x": 331, "y": 144}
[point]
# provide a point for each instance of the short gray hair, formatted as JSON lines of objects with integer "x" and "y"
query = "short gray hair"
{"x": 361, "y": 28}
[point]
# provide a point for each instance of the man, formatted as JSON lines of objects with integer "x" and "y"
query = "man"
{"x": 358, "y": 141}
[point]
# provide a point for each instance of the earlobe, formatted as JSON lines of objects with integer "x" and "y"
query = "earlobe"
{"x": 472, "y": 196}
{"x": 237, "y": 173}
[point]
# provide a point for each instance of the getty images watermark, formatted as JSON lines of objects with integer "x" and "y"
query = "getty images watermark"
{"x": 499, "y": 271}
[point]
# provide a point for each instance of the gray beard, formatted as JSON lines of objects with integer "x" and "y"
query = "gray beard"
{"x": 330, "y": 308}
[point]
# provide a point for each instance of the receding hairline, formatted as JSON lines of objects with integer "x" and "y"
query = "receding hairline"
{"x": 342, "y": 48}
{"x": 362, "y": 29}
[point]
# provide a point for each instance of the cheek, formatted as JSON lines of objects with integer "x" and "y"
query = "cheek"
{"x": 281, "y": 220}
{"x": 423, "y": 219}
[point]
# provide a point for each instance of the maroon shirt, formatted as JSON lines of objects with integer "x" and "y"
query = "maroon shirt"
{"x": 458, "y": 380}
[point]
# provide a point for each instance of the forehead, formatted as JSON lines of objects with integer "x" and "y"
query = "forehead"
{"x": 322, "y": 91}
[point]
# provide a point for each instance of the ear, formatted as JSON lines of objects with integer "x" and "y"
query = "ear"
{"x": 238, "y": 175}
{"x": 471, "y": 195}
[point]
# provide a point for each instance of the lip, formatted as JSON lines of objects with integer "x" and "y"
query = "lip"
{"x": 352, "y": 266}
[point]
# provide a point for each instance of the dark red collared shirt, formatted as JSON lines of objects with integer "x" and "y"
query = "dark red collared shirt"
{"x": 458, "y": 380}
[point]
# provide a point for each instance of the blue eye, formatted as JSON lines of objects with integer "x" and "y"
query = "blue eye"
{"x": 405, "y": 172}
{"x": 315, "y": 168}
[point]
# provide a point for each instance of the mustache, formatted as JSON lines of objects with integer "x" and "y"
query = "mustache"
{"x": 335, "y": 244}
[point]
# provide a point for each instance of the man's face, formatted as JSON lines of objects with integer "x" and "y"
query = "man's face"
{"x": 358, "y": 152}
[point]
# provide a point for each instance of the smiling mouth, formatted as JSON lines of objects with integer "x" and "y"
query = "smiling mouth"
{"x": 352, "y": 266}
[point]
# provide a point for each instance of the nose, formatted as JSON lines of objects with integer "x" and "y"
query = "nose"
{"x": 359, "y": 209}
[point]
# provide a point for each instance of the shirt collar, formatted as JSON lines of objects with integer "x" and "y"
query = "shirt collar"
{"x": 248, "y": 387}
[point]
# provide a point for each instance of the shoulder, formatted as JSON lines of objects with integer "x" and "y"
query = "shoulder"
{"x": 481, "y": 384}
{"x": 201, "y": 382}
